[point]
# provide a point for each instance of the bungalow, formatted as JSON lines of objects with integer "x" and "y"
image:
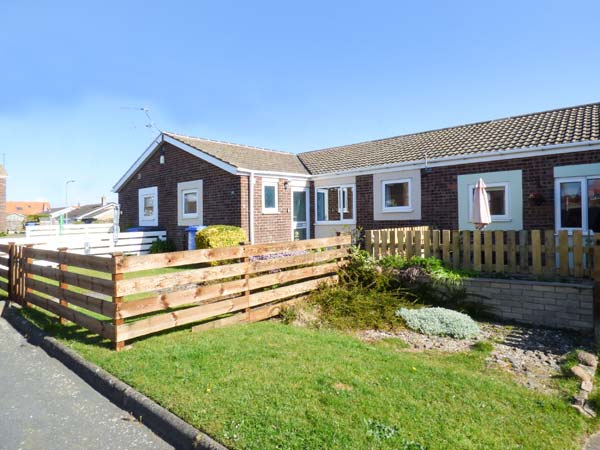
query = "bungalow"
{"x": 542, "y": 171}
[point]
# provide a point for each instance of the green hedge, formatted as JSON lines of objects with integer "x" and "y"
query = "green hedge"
{"x": 216, "y": 236}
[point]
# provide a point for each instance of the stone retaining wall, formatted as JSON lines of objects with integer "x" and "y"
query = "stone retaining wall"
{"x": 557, "y": 305}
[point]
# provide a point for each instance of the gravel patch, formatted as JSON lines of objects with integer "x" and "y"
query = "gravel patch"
{"x": 533, "y": 355}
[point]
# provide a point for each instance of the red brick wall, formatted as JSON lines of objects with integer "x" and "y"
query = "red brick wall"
{"x": 272, "y": 227}
{"x": 222, "y": 192}
{"x": 440, "y": 198}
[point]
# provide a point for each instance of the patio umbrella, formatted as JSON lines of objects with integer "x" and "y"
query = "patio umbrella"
{"x": 480, "y": 214}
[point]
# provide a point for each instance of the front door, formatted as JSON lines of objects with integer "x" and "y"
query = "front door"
{"x": 300, "y": 214}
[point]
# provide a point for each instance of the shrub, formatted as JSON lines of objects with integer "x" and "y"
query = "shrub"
{"x": 440, "y": 322}
{"x": 350, "y": 305}
{"x": 162, "y": 246}
{"x": 216, "y": 236}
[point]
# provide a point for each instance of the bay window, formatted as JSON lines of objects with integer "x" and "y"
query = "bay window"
{"x": 335, "y": 204}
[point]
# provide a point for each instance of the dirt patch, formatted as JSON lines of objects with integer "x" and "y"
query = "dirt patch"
{"x": 533, "y": 355}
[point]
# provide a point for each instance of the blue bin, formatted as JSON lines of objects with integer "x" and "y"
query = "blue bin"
{"x": 191, "y": 231}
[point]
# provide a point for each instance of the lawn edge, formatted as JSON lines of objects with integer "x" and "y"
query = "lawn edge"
{"x": 164, "y": 423}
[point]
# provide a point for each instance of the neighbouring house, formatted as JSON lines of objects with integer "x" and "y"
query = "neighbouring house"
{"x": 96, "y": 212}
{"x": 18, "y": 211}
{"x": 15, "y": 222}
{"x": 542, "y": 171}
{"x": 27, "y": 208}
{"x": 54, "y": 214}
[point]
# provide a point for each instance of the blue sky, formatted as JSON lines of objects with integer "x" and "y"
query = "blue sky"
{"x": 285, "y": 75}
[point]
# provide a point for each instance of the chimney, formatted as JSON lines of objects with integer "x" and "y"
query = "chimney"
{"x": 103, "y": 200}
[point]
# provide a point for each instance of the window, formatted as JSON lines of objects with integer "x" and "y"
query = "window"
{"x": 498, "y": 195}
{"x": 335, "y": 204}
{"x": 396, "y": 195}
{"x": 269, "y": 198}
{"x": 190, "y": 203}
{"x": 148, "y": 206}
{"x": 578, "y": 203}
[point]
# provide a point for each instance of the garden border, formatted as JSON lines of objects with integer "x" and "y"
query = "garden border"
{"x": 164, "y": 423}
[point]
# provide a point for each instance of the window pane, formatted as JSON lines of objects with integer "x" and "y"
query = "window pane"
{"x": 299, "y": 206}
{"x": 594, "y": 204}
{"x": 497, "y": 201}
{"x": 396, "y": 194}
{"x": 570, "y": 204}
{"x": 349, "y": 210}
{"x": 190, "y": 203}
{"x": 269, "y": 193}
{"x": 149, "y": 206}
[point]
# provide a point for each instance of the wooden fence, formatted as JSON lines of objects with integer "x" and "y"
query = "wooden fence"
{"x": 537, "y": 252}
{"x": 126, "y": 297}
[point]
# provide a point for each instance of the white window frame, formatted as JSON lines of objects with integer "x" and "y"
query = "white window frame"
{"x": 322, "y": 190}
{"x": 343, "y": 200}
{"x": 143, "y": 220}
{"x": 275, "y": 209}
{"x": 190, "y": 215}
{"x": 385, "y": 208}
{"x": 507, "y": 217}
{"x": 339, "y": 187}
{"x": 584, "y": 201}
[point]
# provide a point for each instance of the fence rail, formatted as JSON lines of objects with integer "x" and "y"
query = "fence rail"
{"x": 125, "y": 297}
{"x": 536, "y": 252}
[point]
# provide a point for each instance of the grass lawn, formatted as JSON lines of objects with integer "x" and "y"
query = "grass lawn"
{"x": 274, "y": 386}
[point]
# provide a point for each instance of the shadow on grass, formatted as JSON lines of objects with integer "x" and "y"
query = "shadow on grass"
{"x": 49, "y": 324}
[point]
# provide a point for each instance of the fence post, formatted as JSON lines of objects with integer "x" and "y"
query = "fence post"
{"x": 25, "y": 274}
{"x": 63, "y": 286}
{"x": 116, "y": 277}
{"x": 11, "y": 272}
{"x": 246, "y": 261}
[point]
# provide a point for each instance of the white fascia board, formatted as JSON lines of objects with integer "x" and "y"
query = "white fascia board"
{"x": 269, "y": 173}
{"x": 466, "y": 159}
{"x": 138, "y": 162}
{"x": 191, "y": 150}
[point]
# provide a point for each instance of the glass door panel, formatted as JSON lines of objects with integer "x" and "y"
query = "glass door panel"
{"x": 300, "y": 214}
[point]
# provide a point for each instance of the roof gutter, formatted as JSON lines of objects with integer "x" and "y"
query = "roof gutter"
{"x": 466, "y": 159}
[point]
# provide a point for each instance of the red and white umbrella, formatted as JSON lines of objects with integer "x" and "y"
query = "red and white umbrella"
{"x": 480, "y": 214}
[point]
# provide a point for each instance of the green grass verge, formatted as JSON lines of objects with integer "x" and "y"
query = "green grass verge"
{"x": 272, "y": 386}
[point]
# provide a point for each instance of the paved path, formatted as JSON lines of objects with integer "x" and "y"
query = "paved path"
{"x": 43, "y": 405}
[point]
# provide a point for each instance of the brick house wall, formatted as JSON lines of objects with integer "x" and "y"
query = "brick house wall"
{"x": 221, "y": 197}
{"x": 439, "y": 196}
{"x": 272, "y": 227}
{"x": 225, "y": 197}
